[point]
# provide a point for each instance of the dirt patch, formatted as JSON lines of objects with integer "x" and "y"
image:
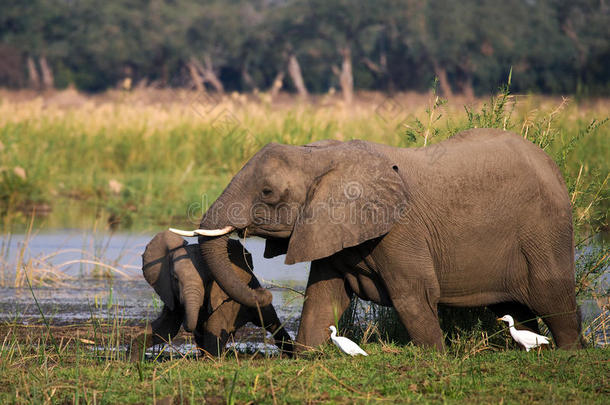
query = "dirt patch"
{"x": 101, "y": 334}
{"x": 85, "y": 333}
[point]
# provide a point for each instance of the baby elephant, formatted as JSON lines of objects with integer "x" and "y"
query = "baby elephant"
{"x": 193, "y": 299}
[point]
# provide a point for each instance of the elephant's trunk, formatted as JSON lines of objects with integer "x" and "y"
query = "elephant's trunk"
{"x": 193, "y": 300}
{"x": 230, "y": 209}
{"x": 216, "y": 257}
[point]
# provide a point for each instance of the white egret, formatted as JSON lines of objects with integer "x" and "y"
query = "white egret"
{"x": 344, "y": 344}
{"x": 525, "y": 338}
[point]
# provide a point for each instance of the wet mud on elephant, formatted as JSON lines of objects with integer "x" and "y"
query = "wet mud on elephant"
{"x": 485, "y": 220}
{"x": 194, "y": 300}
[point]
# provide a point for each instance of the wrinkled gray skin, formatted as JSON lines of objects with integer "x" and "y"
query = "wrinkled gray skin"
{"x": 193, "y": 299}
{"x": 481, "y": 219}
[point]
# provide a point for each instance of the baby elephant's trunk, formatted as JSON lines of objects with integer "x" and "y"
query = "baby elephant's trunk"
{"x": 193, "y": 300}
{"x": 191, "y": 287}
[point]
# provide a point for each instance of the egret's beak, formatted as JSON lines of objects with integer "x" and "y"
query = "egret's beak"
{"x": 499, "y": 319}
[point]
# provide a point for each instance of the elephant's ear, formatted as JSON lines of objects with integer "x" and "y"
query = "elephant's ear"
{"x": 156, "y": 265}
{"x": 158, "y": 275}
{"x": 359, "y": 197}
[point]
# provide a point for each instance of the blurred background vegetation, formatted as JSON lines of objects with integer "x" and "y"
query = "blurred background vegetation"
{"x": 308, "y": 46}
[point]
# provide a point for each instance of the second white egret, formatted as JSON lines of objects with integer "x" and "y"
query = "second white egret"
{"x": 344, "y": 344}
{"x": 525, "y": 338}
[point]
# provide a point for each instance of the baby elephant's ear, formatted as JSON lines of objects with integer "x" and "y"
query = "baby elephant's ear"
{"x": 164, "y": 287}
{"x": 156, "y": 266}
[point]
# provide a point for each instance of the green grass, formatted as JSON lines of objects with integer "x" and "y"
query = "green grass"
{"x": 85, "y": 364}
{"x": 390, "y": 374}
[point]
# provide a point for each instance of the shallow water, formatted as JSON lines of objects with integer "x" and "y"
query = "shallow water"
{"x": 87, "y": 291}
{"x": 124, "y": 250}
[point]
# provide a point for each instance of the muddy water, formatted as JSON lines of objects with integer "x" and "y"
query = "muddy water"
{"x": 85, "y": 290}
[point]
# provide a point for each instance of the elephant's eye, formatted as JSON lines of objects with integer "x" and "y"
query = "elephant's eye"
{"x": 269, "y": 195}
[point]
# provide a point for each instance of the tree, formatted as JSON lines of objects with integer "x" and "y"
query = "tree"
{"x": 552, "y": 45}
{"x": 585, "y": 24}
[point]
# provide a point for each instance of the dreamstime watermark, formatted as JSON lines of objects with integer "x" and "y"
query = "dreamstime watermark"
{"x": 351, "y": 208}
{"x": 215, "y": 108}
{"x": 352, "y": 190}
{"x": 434, "y": 152}
{"x": 391, "y": 111}
{"x": 204, "y": 103}
{"x": 226, "y": 123}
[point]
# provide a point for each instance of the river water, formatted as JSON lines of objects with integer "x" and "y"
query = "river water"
{"x": 79, "y": 288}
{"x": 85, "y": 289}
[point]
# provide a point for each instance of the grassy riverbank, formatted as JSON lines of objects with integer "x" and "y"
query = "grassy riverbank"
{"x": 35, "y": 371}
{"x": 146, "y": 159}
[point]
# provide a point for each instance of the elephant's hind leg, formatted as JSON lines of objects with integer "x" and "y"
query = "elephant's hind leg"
{"x": 563, "y": 322}
{"x": 552, "y": 293}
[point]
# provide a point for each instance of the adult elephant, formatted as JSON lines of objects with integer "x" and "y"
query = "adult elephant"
{"x": 482, "y": 218}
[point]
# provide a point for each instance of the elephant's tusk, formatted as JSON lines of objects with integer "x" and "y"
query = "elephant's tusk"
{"x": 215, "y": 232}
{"x": 182, "y": 233}
{"x": 204, "y": 232}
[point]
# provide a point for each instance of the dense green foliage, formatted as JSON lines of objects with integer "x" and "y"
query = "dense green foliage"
{"x": 558, "y": 46}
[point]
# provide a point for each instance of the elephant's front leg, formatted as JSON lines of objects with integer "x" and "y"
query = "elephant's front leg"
{"x": 211, "y": 343}
{"x": 272, "y": 324}
{"x": 326, "y": 298}
{"x": 213, "y": 335}
{"x": 162, "y": 330}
